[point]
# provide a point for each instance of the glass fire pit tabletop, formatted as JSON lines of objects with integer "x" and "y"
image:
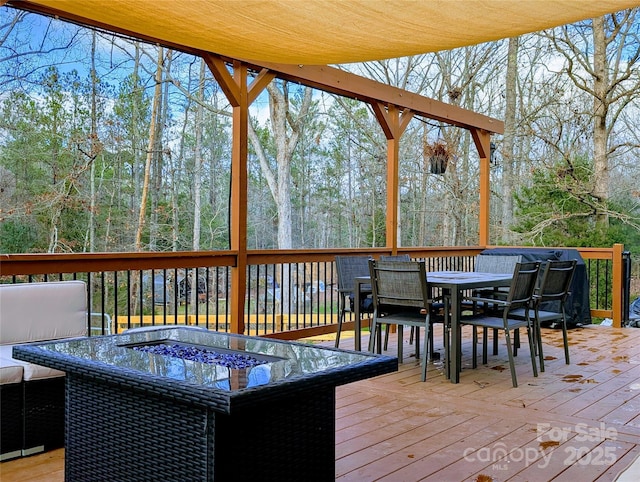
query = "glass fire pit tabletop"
{"x": 209, "y": 359}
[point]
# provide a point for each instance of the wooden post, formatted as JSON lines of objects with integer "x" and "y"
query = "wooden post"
{"x": 482, "y": 141}
{"x": 240, "y": 95}
{"x": 393, "y": 123}
{"x": 617, "y": 285}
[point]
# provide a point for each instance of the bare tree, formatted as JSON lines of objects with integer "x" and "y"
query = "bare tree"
{"x": 602, "y": 59}
{"x": 21, "y": 57}
{"x": 286, "y": 126}
{"x": 464, "y": 73}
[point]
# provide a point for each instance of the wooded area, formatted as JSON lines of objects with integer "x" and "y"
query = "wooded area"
{"x": 109, "y": 144}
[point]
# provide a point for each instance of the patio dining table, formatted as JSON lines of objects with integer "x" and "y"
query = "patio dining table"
{"x": 453, "y": 284}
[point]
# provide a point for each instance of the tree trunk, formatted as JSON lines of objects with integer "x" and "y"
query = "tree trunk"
{"x": 286, "y": 141}
{"x": 197, "y": 178}
{"x": 94, "y": 145}
{"x": 152, "y": 142}
{"x": 177, "y": 167}
{"x": 136, "y": 140}
{"x": 600, "y": 109}
{"x": 508, "y": 151}
{"x": 197, "y": 159}
{"x": 157, "y": 164}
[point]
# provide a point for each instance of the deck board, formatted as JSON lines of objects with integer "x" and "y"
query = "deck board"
{"x": 396, "y": 428}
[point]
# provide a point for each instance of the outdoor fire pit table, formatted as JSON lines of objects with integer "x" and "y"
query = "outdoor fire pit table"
{"x": 180, "y": 404}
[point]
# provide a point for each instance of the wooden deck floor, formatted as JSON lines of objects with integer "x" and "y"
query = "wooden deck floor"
{"x": 574, "y": 422}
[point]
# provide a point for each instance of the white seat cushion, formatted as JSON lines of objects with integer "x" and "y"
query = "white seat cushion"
{"x": 28, "y": 371}
{"x": 10, "y": 371}
{"x": 42, "y": 311}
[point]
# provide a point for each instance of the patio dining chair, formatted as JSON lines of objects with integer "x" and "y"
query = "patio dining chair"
{"x": 348, "y": 269}
{"x": 485, "y": 263}
{"x": 494, "y": 264}
{"x": 549, "y": 302}
{"x": 401, "y": 298}
{"x": 520, "y": 296}
{"x": 437, "y": 305}
{"x": 396, "y": 257}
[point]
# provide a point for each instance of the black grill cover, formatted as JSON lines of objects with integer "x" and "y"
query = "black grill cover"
{"x": 577, "y": 306}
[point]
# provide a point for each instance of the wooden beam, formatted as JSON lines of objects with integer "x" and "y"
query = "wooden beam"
{"x": 340, "y": 82}
{"x": 262, "y": 80}
{"x": 383, "y": 119}
{"x": 224, "y": 78}
{"x": 392, "y": 126}
{"x": 393, "y": 202}
{"x": 405, "y": 117}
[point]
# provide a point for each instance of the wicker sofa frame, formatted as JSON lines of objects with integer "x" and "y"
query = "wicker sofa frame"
{"x": 31, "y": 396}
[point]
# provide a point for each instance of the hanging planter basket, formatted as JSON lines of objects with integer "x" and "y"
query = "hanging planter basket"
{"x": 438, "y": 164}
{"x": 438, "y": 154}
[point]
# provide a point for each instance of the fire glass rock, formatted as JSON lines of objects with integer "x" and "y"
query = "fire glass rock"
{"x": 197, "y": 354}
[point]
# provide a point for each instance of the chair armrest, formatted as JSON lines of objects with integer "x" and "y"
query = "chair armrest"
{"x": 494, "y": 292}
{"x": 494, "y": 301}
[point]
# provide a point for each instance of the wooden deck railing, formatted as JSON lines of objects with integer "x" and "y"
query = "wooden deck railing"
{"x": 289, "y": 294}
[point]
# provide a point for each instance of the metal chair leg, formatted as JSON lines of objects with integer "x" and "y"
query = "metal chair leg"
{"x": 538, "y": 342}
{"x": 474, "y": 347}
{"x": 485, "y": 344}
{"x": 565, "y": 339}
{"x": 339, "y": 330}
{"x": 514, "y": 379}
{"x": 425, "y": 356}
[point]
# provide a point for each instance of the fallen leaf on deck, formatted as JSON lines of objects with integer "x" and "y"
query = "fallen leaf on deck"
{"x": 484, "y": 478}
{"x": 549, "y": 443}
{"x": 571, "y": 378}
